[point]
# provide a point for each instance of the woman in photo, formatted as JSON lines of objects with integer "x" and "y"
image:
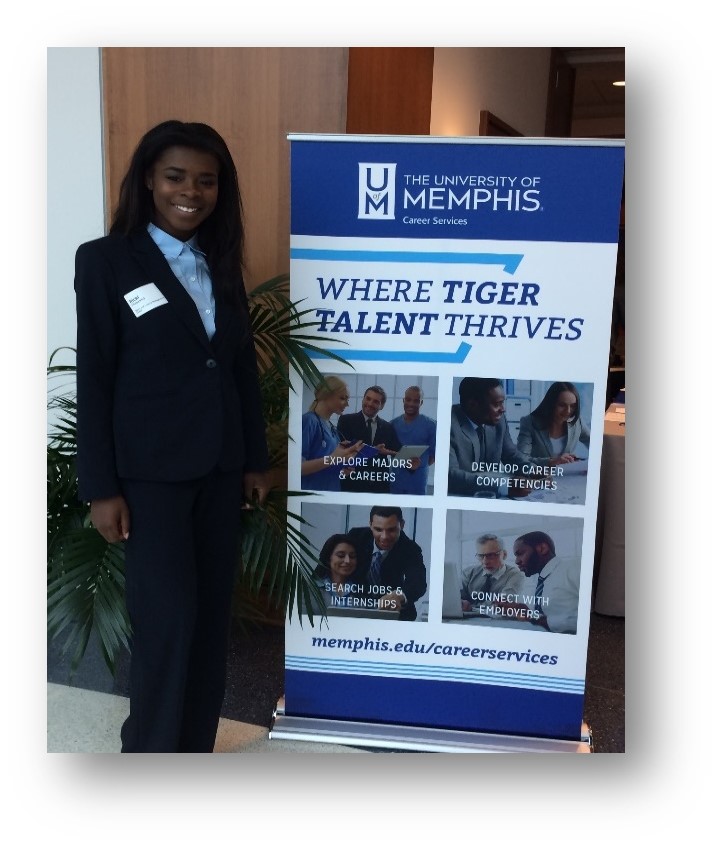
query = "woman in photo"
{"x": 171, "y": 436}
{"x": 338, "y": 564}
{"x": 554, "y": 428}
{"x": 321, "y": 439}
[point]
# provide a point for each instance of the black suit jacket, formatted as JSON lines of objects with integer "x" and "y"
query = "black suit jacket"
{"x": 352, "y": 427}
{"x": 402, "y": 568}
{"x": 157, "y": 400}
{"x": 466, "y": 451}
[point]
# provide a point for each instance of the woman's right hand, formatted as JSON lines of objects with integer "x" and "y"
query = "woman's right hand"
{"x": 561, "y": 459}
{"x": 111, "y": 518}
{"x": 345, "y": 449}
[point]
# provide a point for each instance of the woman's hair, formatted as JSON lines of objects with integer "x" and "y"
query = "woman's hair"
{"x": 329, "y": 386}
{"x": 323, "y": 570}
{"x": 221, "y": 235}
{"x": 543, "y": 412}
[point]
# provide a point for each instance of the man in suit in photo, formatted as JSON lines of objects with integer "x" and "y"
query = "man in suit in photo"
{"x": 373, "y": 430}
{"x": 479, "y": 434}
{"x": 490, "y": 575}
{"x": 387, "y": 557}
{"x": 552, "y": 582}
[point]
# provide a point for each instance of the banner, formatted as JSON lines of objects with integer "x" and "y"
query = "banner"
{"x": 468, "y": 282}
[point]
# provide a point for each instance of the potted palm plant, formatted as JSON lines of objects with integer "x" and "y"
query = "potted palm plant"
{"x": 86, "y": 574}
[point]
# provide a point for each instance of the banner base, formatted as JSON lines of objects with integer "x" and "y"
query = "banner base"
{"x": 426, "y": 739}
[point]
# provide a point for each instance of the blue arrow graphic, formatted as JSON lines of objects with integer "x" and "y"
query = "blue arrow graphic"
{"x": 398, "y": 356}
{"x": 509, "y": 261}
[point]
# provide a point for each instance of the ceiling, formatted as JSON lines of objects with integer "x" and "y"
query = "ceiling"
{"x": 596, "y": 68}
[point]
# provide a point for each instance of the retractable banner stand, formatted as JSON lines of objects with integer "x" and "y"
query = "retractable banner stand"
{"x": 468, "y": 283}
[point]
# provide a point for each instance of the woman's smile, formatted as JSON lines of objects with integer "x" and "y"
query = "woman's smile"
{"x": 184, "y": 184}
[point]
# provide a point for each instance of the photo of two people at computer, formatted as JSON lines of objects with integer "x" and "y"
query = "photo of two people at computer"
{"x": 511, "y": 570}
{"x": 526, "y": 440}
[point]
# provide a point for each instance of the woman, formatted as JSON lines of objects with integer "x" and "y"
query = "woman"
{"x": 321, "y": 440}
{"x": 338, "y": 562}
{"x": 171, "y": 436}
{"x": 554, "y": 428}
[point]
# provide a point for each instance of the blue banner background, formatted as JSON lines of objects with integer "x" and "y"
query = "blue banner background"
{"x": 569, "y": 247}
{"x": 578, "y": 189}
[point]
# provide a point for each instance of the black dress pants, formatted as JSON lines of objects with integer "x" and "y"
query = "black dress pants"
{"x": 180, "y": 562}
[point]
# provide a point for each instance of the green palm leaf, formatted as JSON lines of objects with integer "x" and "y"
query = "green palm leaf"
{"x": 86, "y": 584}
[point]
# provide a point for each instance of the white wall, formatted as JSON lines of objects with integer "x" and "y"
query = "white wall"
{"x": 74, "y": 178}
{"x": 510, "y": 82}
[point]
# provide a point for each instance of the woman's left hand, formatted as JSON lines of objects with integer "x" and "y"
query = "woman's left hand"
{"x": 562, "y": 459}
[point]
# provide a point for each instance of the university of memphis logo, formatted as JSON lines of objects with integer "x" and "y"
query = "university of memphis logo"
{"x": 376, "y": 196}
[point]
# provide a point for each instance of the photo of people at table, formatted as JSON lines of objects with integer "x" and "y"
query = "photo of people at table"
{"x": 372, "y": 559}
{"x": 509, "y": 570}
{"x": 520, "y": 439}
{"x": 369, "y": 433}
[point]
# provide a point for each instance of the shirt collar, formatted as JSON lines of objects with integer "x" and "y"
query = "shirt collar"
{"x": 170, "y": 246}
{"x": 468, "y": 419}
{"x": 548, "y": 568}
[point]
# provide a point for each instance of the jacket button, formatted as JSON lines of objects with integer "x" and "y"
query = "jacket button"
{"x": 211, "y": 363}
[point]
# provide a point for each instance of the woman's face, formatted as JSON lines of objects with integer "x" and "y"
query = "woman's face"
{"x": 340, "y": 400}
{"x": 343, "y": 561}
{"x": 184, "y": 185}
{"x": 565, "y": 407}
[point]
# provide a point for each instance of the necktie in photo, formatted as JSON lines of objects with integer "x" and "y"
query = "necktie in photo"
{"x": 538, "y": 594}
{"x": 481, "y": 439}
{"x": 375, "y": 567}
{"x": 369, "y": 431}
{"x": 487, "y": 584}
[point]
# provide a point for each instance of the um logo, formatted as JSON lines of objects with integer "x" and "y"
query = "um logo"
{"x": 376, "y": 196}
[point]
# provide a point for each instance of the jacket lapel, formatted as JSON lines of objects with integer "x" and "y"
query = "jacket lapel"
{"x": 232, "y": 324}
{"x": 228, "y": 323}
{"x": 467, "y": 429}
{"x": 573, "y": 436}
{"x": 150, "y": 257}
{"x": 547, "y": 444}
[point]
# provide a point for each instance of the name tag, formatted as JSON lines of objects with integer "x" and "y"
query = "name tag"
{"x": 144, "y": 299}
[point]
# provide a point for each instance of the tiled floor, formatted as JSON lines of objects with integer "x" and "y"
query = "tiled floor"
{"x": 82, "y": 721}
{"x": 85, "y": 712}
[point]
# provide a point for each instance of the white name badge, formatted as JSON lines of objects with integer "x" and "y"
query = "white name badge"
{"x": 144, "y": 299}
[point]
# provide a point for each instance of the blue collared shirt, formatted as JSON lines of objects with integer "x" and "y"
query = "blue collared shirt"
{"x": 189, "y": 265}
